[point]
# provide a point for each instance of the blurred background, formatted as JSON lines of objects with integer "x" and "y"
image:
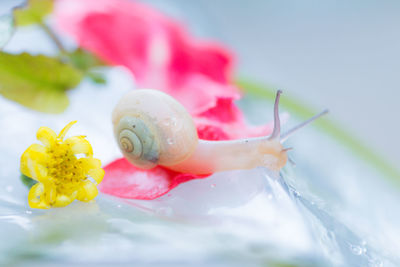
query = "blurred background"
{"x": 341, "y": 55}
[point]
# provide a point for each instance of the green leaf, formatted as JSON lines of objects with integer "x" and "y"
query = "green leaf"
{"x": 87, "y": 62}
{"x": 34, "y": 12}
{"x": 330, "y": 127}
{"x": 37, "y": 81}
{"x": 6, "y": 29}
{"x": 27, "y": 181}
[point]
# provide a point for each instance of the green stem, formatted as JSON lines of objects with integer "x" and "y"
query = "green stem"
{"x": 53, "y": 37}
{"x": 332, "y": 128}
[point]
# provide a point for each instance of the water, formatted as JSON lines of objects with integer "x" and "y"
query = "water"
{"x": 329, "y": 210}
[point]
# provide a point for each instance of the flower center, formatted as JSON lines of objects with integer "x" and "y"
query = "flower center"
{"x": 64, "y": 168}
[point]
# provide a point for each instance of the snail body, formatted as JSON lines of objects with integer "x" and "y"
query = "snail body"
{"x": 152, "y": 128}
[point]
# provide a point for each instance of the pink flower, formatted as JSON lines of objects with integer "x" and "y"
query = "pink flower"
{"x": 156, "y": 48}
{"x": 161, "y": 55}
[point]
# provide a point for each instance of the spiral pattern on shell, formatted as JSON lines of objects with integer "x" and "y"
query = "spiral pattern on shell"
{"x": 137, "y": 142}
{"x": 126, "y": 144}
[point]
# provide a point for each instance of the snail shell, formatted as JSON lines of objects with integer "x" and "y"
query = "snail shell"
{"x": 152, "y": 128}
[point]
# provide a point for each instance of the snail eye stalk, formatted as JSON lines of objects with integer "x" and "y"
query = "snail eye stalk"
{"x": 287, "y": 134}
{"x": 277, "y": 123}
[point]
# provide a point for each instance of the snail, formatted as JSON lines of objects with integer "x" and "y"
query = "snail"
{"x": 152, "y": 128}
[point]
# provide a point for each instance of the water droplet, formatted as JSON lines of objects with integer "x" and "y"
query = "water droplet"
{"x": 269, "y": 196}
{"x": 376, "y": 263}
{"x": 364, "y": 250}
{"x": 28, "y": 212}
{"x": 296, "y": 193}
{"x": 9, "y": 188}
{"x": 170, "y": 141}
{"x": 119, "y": 206}
{"x": 357, "y": 250}
{"x": 213, "y": 185}
{"x": 174, "y": 121}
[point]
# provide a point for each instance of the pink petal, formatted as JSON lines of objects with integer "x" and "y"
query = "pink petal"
{"x": 193, "y": 56}
{"x": 199, "y": 94}
{"x": 224, "y": 110}
{"x": 122, "y": 179}
{"x": 157, "y": 49}
{"x": 214, "y": 130}
{"x": 105, "y": 28}
{"x": 226, "y": 121}
{"x": 208, "y": 131}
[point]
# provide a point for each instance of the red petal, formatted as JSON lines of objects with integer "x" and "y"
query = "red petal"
{"x": 122, "y": 179}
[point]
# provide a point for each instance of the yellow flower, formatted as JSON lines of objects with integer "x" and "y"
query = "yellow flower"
{"x": 62, "y": 176}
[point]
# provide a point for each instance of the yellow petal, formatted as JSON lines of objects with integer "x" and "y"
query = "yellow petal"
{"x": 41, "y": 174}
{"x": 31, "y": 161}
{"x": 64, "y": 131}
{"x": 97, "y": 174}
{"x": 63, "y": 200}
{"x": 35, "y": 154}
{"x": 90, "y": 163}
{"x": 92, "y": 167}
{"x": 79, "y": 145}
{"x": 87, "y": 191}
{"x": 50, "y": 193}
{"x": 46, "y": 135}
{"x": 36, "y": 197}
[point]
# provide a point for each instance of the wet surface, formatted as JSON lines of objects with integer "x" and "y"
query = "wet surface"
{"x": 329, "y": 210}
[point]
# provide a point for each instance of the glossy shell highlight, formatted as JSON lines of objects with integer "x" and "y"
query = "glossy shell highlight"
{"x": 152, "y": 128}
